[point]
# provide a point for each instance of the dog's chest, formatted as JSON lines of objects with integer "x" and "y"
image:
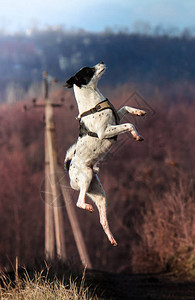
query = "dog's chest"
{"x": 89, "y": 147}
{"x": 99, "y": 120}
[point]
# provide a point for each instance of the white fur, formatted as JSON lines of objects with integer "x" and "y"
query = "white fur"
{"x": 87, "y": 151}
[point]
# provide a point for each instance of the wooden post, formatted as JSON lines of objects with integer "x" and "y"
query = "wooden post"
{"x": 74, "y": 221}
{"x": 49, "y": 218}
{"x": 52, "y": 158}
{"x": 16, "y": 272}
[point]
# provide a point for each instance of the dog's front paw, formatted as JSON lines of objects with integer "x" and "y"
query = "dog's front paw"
{"x": 139, "y": 138}
{"x": 140, "y": 112}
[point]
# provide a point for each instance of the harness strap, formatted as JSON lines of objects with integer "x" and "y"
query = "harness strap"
{"x": 84, "y": 131}
{"x": 105, "y": 104}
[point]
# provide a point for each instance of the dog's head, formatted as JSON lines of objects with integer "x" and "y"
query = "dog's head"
{"x": 86, "y": 76}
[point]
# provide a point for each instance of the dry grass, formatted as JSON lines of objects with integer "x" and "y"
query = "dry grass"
{"x": 41, "y": 288}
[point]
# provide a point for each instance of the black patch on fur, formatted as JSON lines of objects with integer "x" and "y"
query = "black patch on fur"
{"x": 67, "y": 165}
{"x": 82, "y": 77}
{"x": 69, "y": 83}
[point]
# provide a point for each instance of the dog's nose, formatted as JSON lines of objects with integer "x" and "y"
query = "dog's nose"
{"x": 101, "y": 63}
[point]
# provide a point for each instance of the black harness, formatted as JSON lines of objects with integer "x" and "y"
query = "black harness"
{"x": 105, "y": 104}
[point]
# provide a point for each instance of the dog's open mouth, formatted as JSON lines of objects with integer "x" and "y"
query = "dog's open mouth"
{"x": 102, "y": 71}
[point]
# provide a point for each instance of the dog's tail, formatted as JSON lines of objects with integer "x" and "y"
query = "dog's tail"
{"x": 69, "y": 155}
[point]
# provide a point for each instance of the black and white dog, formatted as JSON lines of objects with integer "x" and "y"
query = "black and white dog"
{"x": 99, "y": 128}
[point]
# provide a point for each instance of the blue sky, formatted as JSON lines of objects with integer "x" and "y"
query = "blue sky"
{"x": 95, "y": 15}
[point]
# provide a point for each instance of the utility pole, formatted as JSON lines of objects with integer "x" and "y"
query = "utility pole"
{"x": 53, "y": 212}
{"x": 52, "y": 181}
{"x": 54, "y": 225}
{"x": 49, "y": 217}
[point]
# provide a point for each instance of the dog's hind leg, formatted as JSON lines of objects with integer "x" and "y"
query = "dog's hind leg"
{"x": 97, "y": 194}
{"x": 85, "y": 178}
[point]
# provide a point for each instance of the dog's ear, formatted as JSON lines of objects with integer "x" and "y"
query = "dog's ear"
{"x": 78, "y": 80}
{"x": 69, "y": 83}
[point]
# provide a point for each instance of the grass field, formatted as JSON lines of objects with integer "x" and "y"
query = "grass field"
{"x": 40, "y": 287}
{"x": 94, "y": 285}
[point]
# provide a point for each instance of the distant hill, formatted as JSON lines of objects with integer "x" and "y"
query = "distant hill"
{"x": 129, "y": 57}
